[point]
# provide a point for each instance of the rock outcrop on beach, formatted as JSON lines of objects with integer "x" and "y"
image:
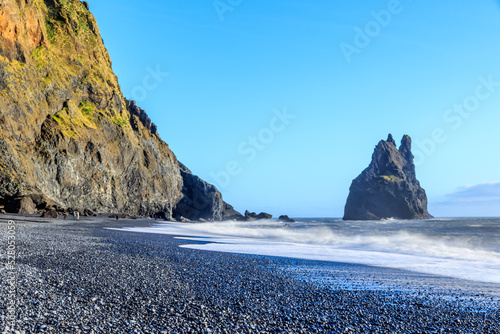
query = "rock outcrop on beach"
{"x": 253, "y": 216}
{"x": 230, "y": 213}
{"x": 67, "y": 133}
{"x": 200, "y": 199}
{"x": 286, "y": 219}
{"x": 388, "y": 188}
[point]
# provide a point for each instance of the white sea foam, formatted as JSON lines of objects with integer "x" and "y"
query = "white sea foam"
{"x": 440, "y": 254}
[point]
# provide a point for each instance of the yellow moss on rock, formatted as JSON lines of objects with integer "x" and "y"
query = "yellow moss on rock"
{"x": 72, "y": 121}
{"x": 119, "y": 121}
{"x": 390, "y": 178}
{"x": 62, "y": 118}
{"x": 40, "y": 56}
{"x": 87, "y": 109}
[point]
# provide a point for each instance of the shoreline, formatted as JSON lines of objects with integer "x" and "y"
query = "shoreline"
{"x": 423, "y": 247}
{"x": 77, "y": 276}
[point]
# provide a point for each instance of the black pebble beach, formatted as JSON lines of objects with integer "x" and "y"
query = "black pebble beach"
{"x": 78, "y": 277}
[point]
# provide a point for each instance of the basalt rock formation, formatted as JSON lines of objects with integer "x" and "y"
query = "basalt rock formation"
{"x": 253, "y": 216}
{"x": 388, "y": 188}
{"x": 286, "y": 219}
{"x": 230, "y": 213}
{"x": 68, "y": 137}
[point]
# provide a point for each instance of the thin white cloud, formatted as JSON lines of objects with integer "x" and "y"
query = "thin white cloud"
{"x": 482, "y": 193}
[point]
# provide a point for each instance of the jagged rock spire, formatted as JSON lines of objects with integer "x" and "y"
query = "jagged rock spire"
{"x": 391, "y": 140}
{"x": 388, "y": 188}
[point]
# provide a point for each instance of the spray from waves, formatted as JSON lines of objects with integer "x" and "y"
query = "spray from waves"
{"x": 405, "y": 242}
{"x": 401, "y": 242}
{"x": 268, "y": 230}
{"x": 387, "y": 243}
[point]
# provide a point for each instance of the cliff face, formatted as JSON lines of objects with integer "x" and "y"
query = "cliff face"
{"x": 68, "y": 137}
{"x": 388, "y": 188}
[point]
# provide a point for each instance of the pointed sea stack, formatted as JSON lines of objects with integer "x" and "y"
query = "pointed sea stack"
{"x": 388, "y": 188}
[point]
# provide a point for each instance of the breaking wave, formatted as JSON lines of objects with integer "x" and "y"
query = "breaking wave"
{"x": 462, "y": 248}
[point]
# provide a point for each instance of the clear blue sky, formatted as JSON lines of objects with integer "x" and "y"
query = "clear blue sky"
{"x": 350, "y": 72}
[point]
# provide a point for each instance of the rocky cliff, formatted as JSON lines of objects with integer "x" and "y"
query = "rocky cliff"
{"x": 68, "y": 137}
{"x": 388, "y": 188}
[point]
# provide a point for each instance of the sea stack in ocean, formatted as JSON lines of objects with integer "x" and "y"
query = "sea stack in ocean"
{"x": 69, "y": 139}
{"x": 388, "y": 188}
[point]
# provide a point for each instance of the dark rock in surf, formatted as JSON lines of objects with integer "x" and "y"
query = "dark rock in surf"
{"x": 388, "y": 188}
{"x": 264, "y": 215}
{"x": 250, "y": 215}
{"x": 253, "y": 216}
{"x": 285, "y": 218}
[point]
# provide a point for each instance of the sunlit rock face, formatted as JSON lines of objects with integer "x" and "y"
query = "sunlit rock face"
{"x": 68, "y": 137}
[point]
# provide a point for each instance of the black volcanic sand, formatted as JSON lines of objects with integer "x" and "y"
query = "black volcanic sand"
{"x": 81, "y": 278}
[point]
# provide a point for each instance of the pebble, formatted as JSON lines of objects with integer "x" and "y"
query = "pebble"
{"x": 141, "y": 283}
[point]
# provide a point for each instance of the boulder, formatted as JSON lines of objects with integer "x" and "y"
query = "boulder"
{"x": 50, "y": 214}
{"x": 22, "y": 205}
{"x": 263, "y": 215}
{"x": 388, "y": 188}
{"x": 253, "y": 216}
{"x": 250, "y": 215}
{"x": 42, "y": 202}
{"x": 27, "y": 207}
{"x": 285, "y": 218}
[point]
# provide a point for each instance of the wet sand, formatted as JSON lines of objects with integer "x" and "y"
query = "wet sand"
{"x": 78, "y": 277}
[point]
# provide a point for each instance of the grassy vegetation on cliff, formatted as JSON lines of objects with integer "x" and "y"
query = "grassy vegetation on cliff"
{"x": 72, "y": 120}
{"x": 87, "y": 109}
{"x": 75, "y": 53}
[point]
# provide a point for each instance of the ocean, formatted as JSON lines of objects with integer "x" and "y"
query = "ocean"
{"x": 465, "y": 248}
